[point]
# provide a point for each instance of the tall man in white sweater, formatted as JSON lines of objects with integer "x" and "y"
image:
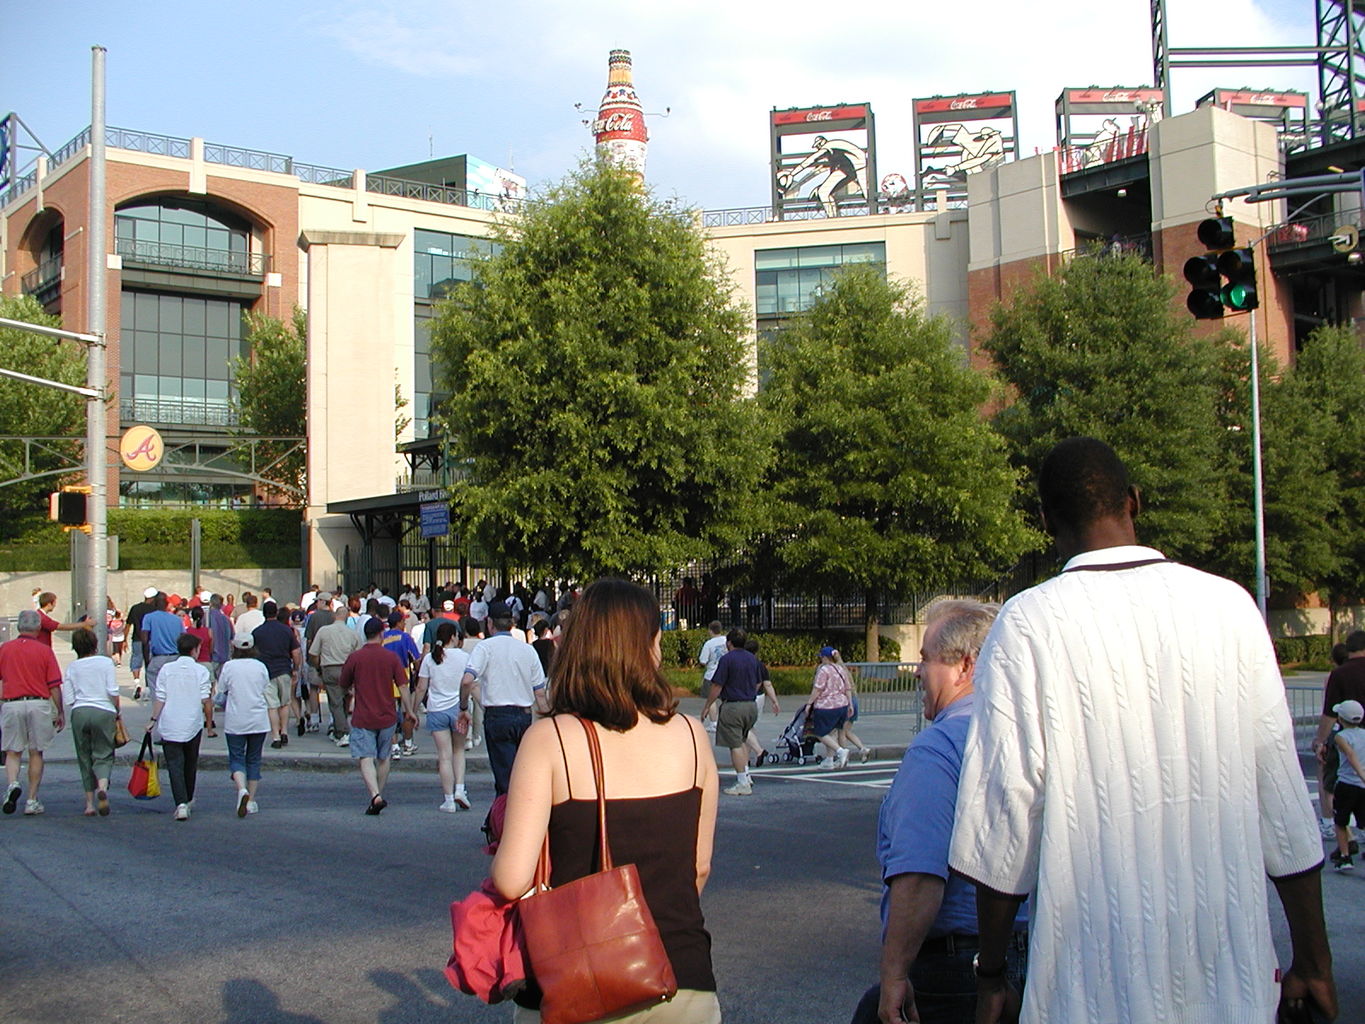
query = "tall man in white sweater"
{"x": 1131, "y": 759}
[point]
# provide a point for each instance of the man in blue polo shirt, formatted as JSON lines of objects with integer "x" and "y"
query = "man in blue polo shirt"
{"x": 160, "y": 632}
{"x": 735, "y": 684}
{"x": 929, "y": 934}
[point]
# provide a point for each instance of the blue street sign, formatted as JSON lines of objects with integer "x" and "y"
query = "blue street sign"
{"x": 435, "y": 520}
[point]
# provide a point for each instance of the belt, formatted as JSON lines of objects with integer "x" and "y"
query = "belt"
{"x": 507, "y": 707}
{"x": 948, "y": 945}
{"x": 11, "y": 700}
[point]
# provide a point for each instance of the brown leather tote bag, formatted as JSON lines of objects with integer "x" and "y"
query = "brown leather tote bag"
{"x": 592, "y": 944}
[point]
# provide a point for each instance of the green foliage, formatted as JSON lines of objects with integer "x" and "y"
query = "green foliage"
{"x": 30, "y": 410}
{"x": 271, "y": 392}
{"x": 1301, "y": 528}
{"x": 1300, "y": 650}
{"x": 238, "y": 539}
{"x": 595, "y": 369}
{"x": 1329, "y": 373}
{"x": 1099, "y": 350}
{"x": 887, "y": 480}
{"x": 779, "y": 647}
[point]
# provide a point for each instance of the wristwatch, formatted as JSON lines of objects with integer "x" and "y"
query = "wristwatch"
{"x": 987, "y": 975}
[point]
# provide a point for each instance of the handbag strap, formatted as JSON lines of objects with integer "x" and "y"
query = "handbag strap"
{"x": 144, "y": 752}
{"x": 595, "y": 752}
{"x": 541, "y": 881}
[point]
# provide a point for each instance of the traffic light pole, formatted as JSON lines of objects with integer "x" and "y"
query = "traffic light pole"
{"x": 97, "y": 551}
{"x": 1257, "y": 482}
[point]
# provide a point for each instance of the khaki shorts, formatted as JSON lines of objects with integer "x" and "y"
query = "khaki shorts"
{"x": 279, "y": 691}
{"x": 688, "y": 1007}
{"x": 28, "y": 725}
{"x": 737, "y": 717}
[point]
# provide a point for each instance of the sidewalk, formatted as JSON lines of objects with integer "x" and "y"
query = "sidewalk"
{"x": 887, "y": 734}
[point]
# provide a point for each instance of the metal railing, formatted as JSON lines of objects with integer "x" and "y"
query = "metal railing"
{"x": 431, "y": 193}
{"x": 1305, "y": 710}
{"x": 1309, "y": 231}
{"x": 147, "y": 142}
{"x": 251, "y": 159}
{"x": 194, "y": 257}
{"x": 43, "y": 277}
{"x": 191, "y": 411}
{"x": 1139, "y": 245}
{"x": 1102, "y": 151}
{"x": 889, "y": 688}
{"x": 316, "y": 174}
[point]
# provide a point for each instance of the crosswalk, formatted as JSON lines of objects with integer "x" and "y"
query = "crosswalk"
{"x": 876, "y": 775}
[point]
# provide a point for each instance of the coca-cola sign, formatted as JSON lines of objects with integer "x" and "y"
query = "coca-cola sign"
{"x": 817, "y": 115}
{"x": 619, "y": 121}
{"x": 1260, "y": 99}
{"x": 989, "y": 104}
{"x": 1115, "y": 95}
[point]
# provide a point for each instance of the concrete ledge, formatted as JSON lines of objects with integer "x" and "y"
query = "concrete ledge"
{"x": 383, "y": 240}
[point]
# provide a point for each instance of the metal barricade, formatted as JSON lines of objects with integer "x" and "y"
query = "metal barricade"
{"x": 1305, "y": 710}
{"x": 889, "y": 688}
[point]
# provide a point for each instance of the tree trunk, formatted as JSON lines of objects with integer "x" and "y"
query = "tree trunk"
{"x": 870, "y": 604}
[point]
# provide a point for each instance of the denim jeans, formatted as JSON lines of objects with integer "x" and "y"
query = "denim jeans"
{"x": 503, "y": 728}
{"x": 244, "y": 754}
{"x": 945, "y": 985}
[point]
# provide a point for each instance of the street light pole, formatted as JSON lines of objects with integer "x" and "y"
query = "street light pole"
{"x": 97, "y": 548}
{"x": 1257, "y": 483}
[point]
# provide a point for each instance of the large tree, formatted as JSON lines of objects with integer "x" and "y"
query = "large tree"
{"x": 270, "y": 392}
{"x": 886, "y": 478}
{"x": 1099, "y": 350}
{"x": 596, "y": 369}
{"x": 1298, "y": 491}
{"x": 30, "y": 410}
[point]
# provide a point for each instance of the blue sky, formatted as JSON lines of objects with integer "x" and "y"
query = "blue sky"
{"x": 377, "y": 83}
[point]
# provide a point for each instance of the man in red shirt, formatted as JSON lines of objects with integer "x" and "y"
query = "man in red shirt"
{"x": 47, "y": 601}
{"x": 372, "y": 674}
{"x": 31, "y": 717}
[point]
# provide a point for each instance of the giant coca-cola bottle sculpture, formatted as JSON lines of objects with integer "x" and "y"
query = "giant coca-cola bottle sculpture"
{"x": 622, "y": 139}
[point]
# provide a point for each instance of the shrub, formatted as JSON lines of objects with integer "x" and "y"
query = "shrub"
{"x": 780, "y": 647}
{"x": 1298, "y": 650}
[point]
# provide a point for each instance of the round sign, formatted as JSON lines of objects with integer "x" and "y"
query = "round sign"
{"x": 1345, "y": 238}
{"x": 141, "y": 448}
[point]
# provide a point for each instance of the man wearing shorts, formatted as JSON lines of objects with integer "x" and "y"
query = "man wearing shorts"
{"x": 278, "y": 646}
{"x": 160, "y": 631}
{"x": 31, "y": 685}
{"x": 735, "y": 684}
{"x": 372, "y": 674}
{"x": 138, "y": 657}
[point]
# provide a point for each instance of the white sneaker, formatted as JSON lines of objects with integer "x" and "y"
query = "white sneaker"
{"x": 409, "y": 748}
{"x": 825, "y": 764}
{"x": 33, "y": 807}
{"x": 251, "y": 807}
{"x": 841, "y": 757}
{"x": 739, "y": 789}
{"x": 243, "y": 800}
{"x": 463, "y": 800}
{"x": 1328, "y": 830}
{"x": 448, "y": 805}
{"x": 345, "y": 741}
{"x": 182, "y": 812}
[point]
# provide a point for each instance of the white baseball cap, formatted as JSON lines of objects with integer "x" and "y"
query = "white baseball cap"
{"x": 1350, "y": 711}
{"x": 243, "y": 641}
{"x": 150, "y": 593}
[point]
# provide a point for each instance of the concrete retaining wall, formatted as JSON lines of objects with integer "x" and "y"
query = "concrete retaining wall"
{"x": 126, "y": 586}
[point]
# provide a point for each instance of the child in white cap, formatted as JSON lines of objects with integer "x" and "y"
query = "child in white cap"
{"x": 1349, "y": 796}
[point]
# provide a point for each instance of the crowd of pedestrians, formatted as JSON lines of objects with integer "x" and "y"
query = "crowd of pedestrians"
{"x": 1082, "y": 831}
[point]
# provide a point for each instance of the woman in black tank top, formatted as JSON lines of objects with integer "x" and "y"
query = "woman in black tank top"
{"x": 660, "y": 785}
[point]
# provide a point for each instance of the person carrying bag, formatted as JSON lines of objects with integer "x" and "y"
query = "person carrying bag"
{"x": 143, "y": 783}
{"x": 609, "y": 828}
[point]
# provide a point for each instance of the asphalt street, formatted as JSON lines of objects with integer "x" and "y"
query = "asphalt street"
{"x": 313, "y": 912}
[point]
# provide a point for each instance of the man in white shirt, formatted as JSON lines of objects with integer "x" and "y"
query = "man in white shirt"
{"x": 252, "y": 617}
{"x": 1131, "y": 761}
{"x": 309, "y": 596}
{"x": 511, "y": 682}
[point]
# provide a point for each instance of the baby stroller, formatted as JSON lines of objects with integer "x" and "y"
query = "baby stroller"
{"x": 796, "y": 743}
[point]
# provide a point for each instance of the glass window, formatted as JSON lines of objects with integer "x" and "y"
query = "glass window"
{"x": 790, "y": 280}
{"x": 194, "y": 315}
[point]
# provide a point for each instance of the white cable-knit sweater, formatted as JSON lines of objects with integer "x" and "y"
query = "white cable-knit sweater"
{"x": 1131, "y": 757}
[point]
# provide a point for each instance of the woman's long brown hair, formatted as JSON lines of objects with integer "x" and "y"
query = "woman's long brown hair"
{"x": 604, "y": 668}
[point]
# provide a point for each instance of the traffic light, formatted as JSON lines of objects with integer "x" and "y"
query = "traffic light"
{"x": 1210, "y": 295}
{"x": 1239, "y": 267}
{"x": 67, "y": 507}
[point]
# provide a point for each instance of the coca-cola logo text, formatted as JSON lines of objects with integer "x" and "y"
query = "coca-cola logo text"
{"x": 614, "y": 123}
{"x": 820, "y": 115}
{"x": 967, "y": 104}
